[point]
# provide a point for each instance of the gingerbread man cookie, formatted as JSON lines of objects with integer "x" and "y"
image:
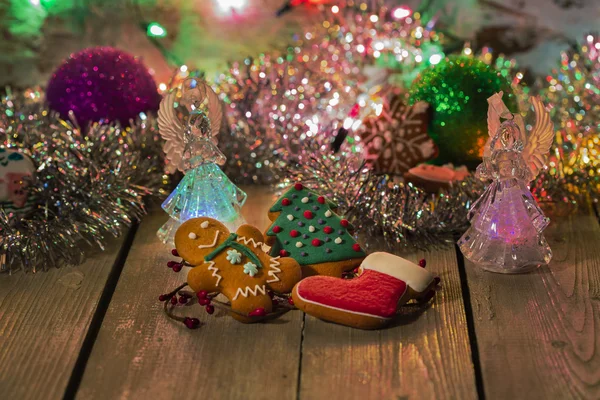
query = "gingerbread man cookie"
{"x": 234, "y": 264}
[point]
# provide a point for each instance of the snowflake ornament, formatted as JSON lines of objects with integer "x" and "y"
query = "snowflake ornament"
{"x": 397, "y": 139}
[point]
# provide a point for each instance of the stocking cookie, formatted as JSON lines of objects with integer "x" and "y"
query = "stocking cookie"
{"x": 306, "y": 229}
{"x": 370, "y": 300}
{"x": 234, "y": 264}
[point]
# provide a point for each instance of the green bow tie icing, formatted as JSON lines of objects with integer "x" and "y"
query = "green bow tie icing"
{"x": 231, "y": 242}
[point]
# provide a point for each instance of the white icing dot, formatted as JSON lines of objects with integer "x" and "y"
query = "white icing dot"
{"x": 192, "y": 235}
{"x": 338, "y": 240}
{"x": 299, "y": 244}
{"x": 204, "y": 224}
{"x": 290, "y": 217}
{"x": 328, "y": 213}
{"x": 305, "y": 200}
{"x": 311, "y": 228}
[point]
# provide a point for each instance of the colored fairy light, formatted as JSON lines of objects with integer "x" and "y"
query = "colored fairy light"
{"x": 401, "y": 12}
{"x": 229, "y": 5}
{"x": 435, "y": 59}
{"x": 156, "y": 30}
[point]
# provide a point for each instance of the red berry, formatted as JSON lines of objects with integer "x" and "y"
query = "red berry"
{"x": 276, "y": 229}
{"x": 210, "y": 309}
{"x": 321, "y": 199}
{"x": 175, "y": 253}
{"x": 171, "y": 264}
{"x": 308, "y": 214}
{"x": 162, "y": 297}
{"x": 316, "y": 242}
{"x": 173, "y": 300}
{"x": 283, "y": 253}
{"x": 356, "y": 247}
{"x": 191, "y": 323}
{"x": 298, "y": 186}
{"x": 422, "y": 263}
{"x": 204, "y": 301}
{"x": 202, "y": 294}
{"x": 290, "y": 301}
{"x": 286, "y": 202}
{"x": 328, "y": 229}
{"x": 259, "y": 312}
{"x": 177, "y": 267}
{"x": 294, "y": 233}
{"x": 344, "y": 223}
{"x": 182, "y": 300}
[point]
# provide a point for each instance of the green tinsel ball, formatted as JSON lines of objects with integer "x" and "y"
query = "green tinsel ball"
{"x": 457, "y": 90}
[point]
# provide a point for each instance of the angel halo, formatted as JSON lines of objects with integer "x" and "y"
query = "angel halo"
{"x": 204, "y": 191}
{"x": 506, "y": 222}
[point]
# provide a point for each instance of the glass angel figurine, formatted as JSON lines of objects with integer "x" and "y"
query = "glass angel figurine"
{"x": 204, "y": 191}
{"x": 506, "y": 222}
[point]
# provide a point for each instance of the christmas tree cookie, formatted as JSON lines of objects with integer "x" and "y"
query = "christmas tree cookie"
{"x": 306, "y": 228}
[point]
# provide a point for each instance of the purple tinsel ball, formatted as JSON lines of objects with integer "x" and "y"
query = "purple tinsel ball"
{"x": 102, "y": 83}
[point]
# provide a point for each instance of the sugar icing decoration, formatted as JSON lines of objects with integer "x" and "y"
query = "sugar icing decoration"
{"x": 250, "y": 269}
{"x": 313, "y": 219}
{"x": 204, "y": 225}
{"x": 290, "y": 217}
{"x": 277, "y": 229}
{"x": 192, "y": 236}
{"x": 338, "y": 240}
{"x": 234, "y": 256}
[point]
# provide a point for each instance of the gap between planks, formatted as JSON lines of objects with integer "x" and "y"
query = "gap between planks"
{"x": 44, "y": 318}
{"x": 539, "y": 333}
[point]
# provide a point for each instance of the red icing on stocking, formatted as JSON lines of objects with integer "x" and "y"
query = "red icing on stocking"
{"x": 373, "y": 293}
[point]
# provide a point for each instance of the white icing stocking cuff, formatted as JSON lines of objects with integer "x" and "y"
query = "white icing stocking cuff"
{"x": 415, "y": 277}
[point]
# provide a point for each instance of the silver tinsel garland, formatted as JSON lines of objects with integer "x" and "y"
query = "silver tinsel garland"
{"x": 87, "y": 187}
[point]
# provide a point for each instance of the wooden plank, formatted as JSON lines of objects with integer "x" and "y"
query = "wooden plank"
{"x": 425, "y": 355}
{"x": 538, "y": 334}
{"x": 140, "y": 353}
{"x": 44, "y": 318}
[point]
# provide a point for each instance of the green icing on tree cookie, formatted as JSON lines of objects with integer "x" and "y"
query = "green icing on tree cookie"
{"x": 309, "y": 231}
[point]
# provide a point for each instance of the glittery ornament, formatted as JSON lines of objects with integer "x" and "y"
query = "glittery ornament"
{"x": 397, "y": 139}
{"x": 457, "y": 89}
{"x": 102, "y": 83}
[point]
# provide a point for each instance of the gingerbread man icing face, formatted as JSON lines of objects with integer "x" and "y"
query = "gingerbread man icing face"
{"x": 234, "y": 264}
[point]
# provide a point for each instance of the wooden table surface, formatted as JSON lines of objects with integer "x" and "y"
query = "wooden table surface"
{"x": 97, "y": 331}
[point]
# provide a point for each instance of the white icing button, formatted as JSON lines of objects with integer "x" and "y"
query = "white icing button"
{"x": 311, "y": 228}
{"x": 338, "y": 240}
{"x": 192, "y": 235}
{"x": 305, "y": 199}
{"x": 328, "y": 213}
{"x": 204, "y": 224}
{"x": 290, "y": 217}
{"x": 299, "y": 244}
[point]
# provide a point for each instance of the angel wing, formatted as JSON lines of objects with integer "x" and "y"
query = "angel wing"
{"x": 201, "y": 92}
{"x": 540, "y": 140}
{"x": 172, "y": 132}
